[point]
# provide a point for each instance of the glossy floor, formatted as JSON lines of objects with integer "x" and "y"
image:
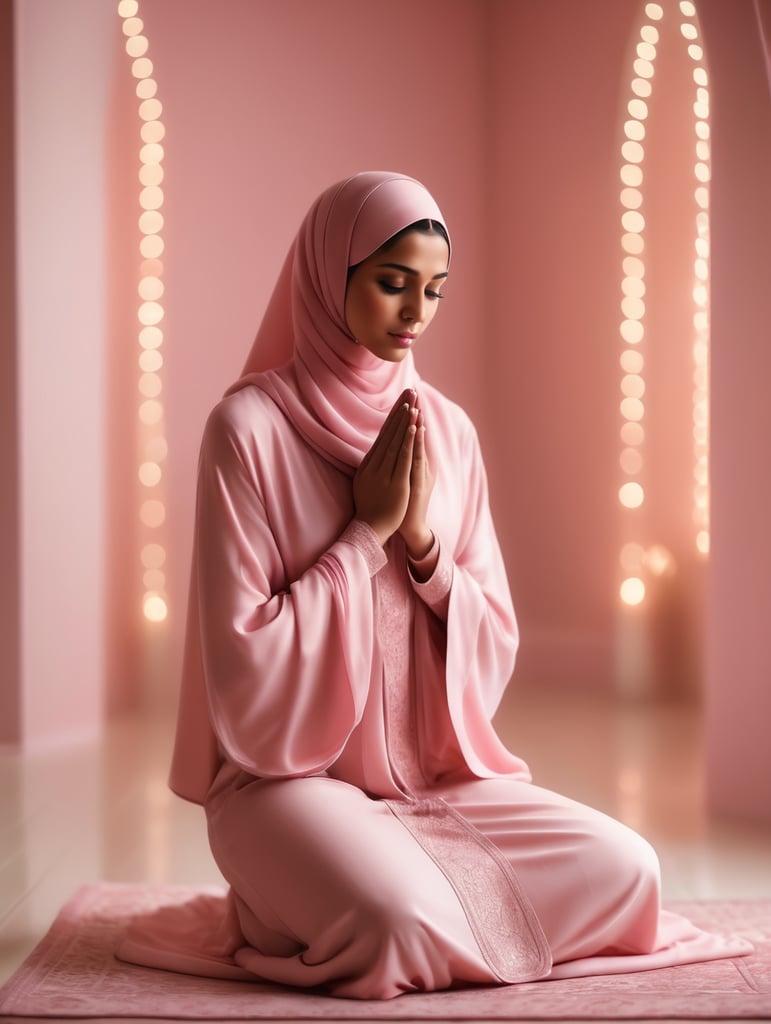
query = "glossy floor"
{"x": 103, "y": 811}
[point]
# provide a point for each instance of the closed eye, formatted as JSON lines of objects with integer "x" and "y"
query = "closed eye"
{"x": 392, "y": 289}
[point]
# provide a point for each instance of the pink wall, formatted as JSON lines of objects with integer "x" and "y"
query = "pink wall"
{"x": 553, "y": 293}
{"x": 738, "y": 649}
{"x": 10, "y": 691}
{"x": 59, "y": 145}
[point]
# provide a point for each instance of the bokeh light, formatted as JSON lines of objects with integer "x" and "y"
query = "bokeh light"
{"x": 631, "y": 494}
{"x": 635, "y": 561}
{"x": 154, "y": 607}
{"x": 150, "y": 313}
{"x": 632, "y": 590}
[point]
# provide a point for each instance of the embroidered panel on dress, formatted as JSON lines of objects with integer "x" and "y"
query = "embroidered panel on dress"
{"x": 395, "y": 617}
{"x": 501, "y": 917}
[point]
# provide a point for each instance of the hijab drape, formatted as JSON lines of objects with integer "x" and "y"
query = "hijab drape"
{"x": 334, "y": 391}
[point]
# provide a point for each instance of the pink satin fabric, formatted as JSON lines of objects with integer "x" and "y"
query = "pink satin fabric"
{"x": 335, "y": 715}
{"x": 335, "y": 393}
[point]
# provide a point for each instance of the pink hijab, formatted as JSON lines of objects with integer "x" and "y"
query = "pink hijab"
{"x": 334, "y": 391}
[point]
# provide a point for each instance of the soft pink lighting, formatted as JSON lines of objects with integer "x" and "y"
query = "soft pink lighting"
{"x": 631, "y": 461}
{"x": 632, "y": 330}
{"x": 631, "y": 361}
{"x": 150, "y": 360}
{"x": 632, "y": 433}
{"x": 150, "y": 337}
{"x": 136, "y": 46}
{"x": 151, "y": 246}
{"x": 150, "y": 474}
{"x": 631, "y": 495}
{"x": 154, "y": 607}
{"x": 632, "y": 590}
{"x": 152, "y": 513}
{"x": 641, "y": 87}
{"x": 150, "y": 288}
{"x": 147, "y": 88}
{"x": 150, "y": 313}
{"x": 150, "y": 412}
{"x": 150, "y": 385}
{"x": 153, "y": 556}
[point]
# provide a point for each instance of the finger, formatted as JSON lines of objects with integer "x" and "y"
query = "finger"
{"x": 393, "y": 425}
{"x": 419, "y": 458}
{"x": 401, "y": 441}
{"x": 420, "y": 442}
{"x": 407, "y": 397}
{"x": 404, "y": 399}
{"x": 387, "y": 443}
{"x": 403, "y": 464}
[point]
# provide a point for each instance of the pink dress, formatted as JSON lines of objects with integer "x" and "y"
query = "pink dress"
{"x": 376, "y": 835}
{"x": 335, "y": 714}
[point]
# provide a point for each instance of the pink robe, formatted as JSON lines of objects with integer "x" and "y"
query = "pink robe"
{"x": 377, "y": 836}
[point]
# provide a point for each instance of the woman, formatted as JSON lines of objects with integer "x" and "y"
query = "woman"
{"x": 350, "y": 636}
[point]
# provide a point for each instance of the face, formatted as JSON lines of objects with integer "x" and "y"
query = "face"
{"x": 394, "y": 294}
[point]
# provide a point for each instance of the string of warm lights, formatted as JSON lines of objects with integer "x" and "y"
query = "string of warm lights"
{"x": 702, "y": 173}
{"x": 635, "y": 559}
{"x": 152, "y": 446}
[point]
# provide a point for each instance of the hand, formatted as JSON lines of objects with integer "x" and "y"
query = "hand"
{"x": 414, "y": 527}
{"x": 381, "y": 486}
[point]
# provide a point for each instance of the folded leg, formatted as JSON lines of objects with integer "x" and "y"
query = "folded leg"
{"x": 594, "y": 883}
{"x": 332, "y": 890}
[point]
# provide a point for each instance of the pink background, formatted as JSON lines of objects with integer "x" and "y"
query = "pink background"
{"x": 511, "y": 114}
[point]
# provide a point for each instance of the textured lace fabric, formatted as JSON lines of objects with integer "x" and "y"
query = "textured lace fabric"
{"x": 365, "y": 539}
{"x": 500, "y": 915}
{"x": 394, "y": 623}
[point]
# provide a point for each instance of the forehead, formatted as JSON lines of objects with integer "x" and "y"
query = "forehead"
{"x": 428, "y": 254}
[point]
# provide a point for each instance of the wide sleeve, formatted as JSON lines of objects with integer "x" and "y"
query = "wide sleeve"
{"x": 286, "y": 667}
{"x": 475, "y": 650}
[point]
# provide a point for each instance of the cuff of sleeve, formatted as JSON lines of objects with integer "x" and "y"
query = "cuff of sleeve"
{"x": 364, "y": 539}
{"x": 436, "y": 590}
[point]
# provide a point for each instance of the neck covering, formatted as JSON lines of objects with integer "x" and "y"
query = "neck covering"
{"x": 335, "y": 392}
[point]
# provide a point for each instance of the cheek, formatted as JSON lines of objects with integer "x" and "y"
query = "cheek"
{"x": 371, "y": 308}
{"x": 433, "y": 309}
{"x": 376, "y": 304}
{"x": 361, "y": 307}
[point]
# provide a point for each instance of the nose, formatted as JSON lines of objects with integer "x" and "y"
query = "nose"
{"x": 414, "y": 310}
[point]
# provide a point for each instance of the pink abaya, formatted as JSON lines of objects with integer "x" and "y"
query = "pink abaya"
{"x": 335, "y": 717}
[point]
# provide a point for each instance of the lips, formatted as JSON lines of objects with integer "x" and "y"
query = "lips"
{"x": 405, "y": 340}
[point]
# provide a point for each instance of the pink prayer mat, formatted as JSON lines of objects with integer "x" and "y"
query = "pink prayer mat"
{"x": 73, "y": 973}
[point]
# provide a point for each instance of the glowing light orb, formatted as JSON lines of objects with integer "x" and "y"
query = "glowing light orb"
{"x": 632, "y": 590}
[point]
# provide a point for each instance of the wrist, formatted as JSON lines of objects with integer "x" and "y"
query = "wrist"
{"x": 418, "y": 544}
{"x": 381, "y": 532}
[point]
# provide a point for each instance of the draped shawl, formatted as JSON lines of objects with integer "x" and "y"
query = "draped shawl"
{"x": 335, "y": 392}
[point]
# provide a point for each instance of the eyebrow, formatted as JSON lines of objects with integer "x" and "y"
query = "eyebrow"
{"x": 409, "y": 270}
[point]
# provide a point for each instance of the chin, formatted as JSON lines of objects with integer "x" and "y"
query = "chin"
{"x": 395, "y": 356}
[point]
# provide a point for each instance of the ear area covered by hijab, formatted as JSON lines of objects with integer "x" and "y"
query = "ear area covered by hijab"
{"x": 335, "y": 392}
